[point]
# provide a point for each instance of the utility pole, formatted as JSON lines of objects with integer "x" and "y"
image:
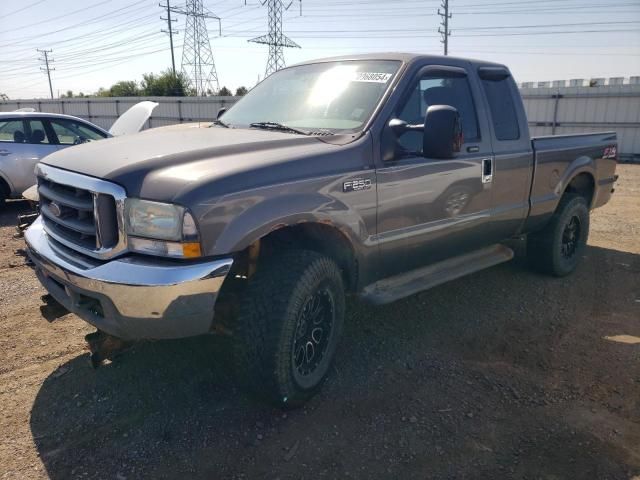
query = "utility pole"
{"x": 197, "y": 57}
{"x": 170, "y": 31}
{"x": 275, "y": 38}
{"x": 47, "y": 69}
{"x": 445, "y": 32}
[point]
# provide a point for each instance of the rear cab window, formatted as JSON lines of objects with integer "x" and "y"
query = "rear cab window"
{"x": 504, "y": 115}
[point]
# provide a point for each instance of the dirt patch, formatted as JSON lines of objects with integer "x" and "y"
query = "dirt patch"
{"x": 502, "y": 374}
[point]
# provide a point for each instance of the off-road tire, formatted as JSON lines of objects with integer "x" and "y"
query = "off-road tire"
{"x": 545, "y": 248}
{"x": 268, "y": 325}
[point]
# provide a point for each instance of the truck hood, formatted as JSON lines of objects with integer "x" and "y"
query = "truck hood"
{"x": 163, "y": 164}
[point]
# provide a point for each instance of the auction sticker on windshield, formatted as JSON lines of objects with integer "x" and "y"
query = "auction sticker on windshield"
{"x": 374, "y": 77}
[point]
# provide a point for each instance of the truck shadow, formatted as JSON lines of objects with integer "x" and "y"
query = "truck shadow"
{"x": 172, "y": 409}
{"x": 10, "y": 211}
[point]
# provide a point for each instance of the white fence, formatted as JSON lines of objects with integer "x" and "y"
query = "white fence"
{"x": 565, "y": 110}
{"x": 104, "y": 110}
{"x": 551, "y": 111}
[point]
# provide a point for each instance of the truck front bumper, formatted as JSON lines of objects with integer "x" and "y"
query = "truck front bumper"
{"x": 132, "y": 297}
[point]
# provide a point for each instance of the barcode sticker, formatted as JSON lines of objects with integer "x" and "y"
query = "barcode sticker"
{"x": 373, "y": 77}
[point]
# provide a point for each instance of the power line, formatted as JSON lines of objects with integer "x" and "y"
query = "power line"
{"x": 5, "y": 15}
{"x": 548, "y": 8}
{"x": 497, "y": 27}
{"x": 536, "y": 2}
{"x": 275, "y": 38}
{"x": 64, "y": 15}
{"x": 48, "y": 69}
{"x": 385, "y": 35}
{"x": 82, "y": 24}
{"x": 170, "y": 31}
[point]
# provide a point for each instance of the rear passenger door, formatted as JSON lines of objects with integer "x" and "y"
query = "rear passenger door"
{"x": 431, "y": 209}
{"x": 513, "y": 154}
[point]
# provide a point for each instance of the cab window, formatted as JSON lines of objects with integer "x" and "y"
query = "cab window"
{"x": 503, "y": 110}
{"x": 439, "y": 90}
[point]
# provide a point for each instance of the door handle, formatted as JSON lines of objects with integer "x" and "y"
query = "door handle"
{"x": 487, "y": 170}
{"x": 4, "y": 153}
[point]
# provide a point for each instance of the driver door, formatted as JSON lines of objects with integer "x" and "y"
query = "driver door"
{"x": 431, "y": 209}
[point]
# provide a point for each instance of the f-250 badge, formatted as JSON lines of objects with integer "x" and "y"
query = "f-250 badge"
{"x": 356, "y": 184}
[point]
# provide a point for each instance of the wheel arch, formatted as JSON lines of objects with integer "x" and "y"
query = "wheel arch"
{"x": 322, "y": 237}
{"x": 5, "y": 185}
{"x": 578, "y": 177}
{"x": 583, "y": 184}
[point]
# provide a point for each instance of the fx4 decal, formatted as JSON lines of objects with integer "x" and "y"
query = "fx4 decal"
{"x": 610, "y": 152}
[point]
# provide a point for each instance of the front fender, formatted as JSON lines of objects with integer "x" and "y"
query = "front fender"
{"x": 270, "y": 214}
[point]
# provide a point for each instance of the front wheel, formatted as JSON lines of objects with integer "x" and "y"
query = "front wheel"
{"x": 557, "y": 249}
{"x": 289, "y": 325}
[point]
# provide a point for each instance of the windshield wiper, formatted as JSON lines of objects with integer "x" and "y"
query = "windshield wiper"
{"x": 277, "y": 126}
{"x": 221, "y": 123}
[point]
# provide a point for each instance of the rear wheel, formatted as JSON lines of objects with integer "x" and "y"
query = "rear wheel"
{"x": 557, "y": 249}
{"x": 289, "y": 325}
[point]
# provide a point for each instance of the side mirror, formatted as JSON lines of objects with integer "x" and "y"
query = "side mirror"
{"x": 442, "y": 132}
{"x": 221, "y": 112}
{"x": 399, "y": 127}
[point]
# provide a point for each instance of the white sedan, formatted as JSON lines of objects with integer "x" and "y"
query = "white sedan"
{"x": 26, "y": 137}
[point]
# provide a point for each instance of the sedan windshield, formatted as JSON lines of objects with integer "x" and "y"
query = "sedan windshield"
{"x": 331, "y": 97}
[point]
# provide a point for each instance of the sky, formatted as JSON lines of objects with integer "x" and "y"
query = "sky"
{"x": 96, "y": 43}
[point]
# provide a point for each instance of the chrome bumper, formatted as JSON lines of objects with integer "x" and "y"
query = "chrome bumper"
{"x": 132, "y": 297}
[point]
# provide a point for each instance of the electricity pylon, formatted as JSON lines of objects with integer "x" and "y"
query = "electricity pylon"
{"x": 197, "y": 57}
{"x": 275, "y": 38}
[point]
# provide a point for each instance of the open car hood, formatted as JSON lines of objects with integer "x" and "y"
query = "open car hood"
{"x": 133, "y": 119}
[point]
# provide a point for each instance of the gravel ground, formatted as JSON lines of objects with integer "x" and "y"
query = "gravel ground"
{"x": 502, "y": 374}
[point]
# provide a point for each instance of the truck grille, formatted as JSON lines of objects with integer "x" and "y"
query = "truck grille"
{"x": 82, "y": 213}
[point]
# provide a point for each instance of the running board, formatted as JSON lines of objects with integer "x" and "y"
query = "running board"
{"x": 401, "y": 286}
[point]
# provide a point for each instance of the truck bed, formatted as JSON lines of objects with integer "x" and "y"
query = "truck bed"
{"x": 558, "y": 159}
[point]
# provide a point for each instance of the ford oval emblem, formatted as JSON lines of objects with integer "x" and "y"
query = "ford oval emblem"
{"x": 55, "y": 209}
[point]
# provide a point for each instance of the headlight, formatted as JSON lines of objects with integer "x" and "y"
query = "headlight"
{"x": 161, "y": 229}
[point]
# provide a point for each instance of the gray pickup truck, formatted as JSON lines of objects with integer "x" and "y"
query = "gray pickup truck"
{"x": 376, "y": 175}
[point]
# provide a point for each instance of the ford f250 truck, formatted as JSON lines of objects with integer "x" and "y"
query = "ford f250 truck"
{"x": 376, "y": 175}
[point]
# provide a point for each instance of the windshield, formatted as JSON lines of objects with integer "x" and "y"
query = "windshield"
{"x": 338, "y": 97}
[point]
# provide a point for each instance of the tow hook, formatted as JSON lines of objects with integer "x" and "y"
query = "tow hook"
{"x": 24, "y": 221}
{"x": 105, "y": 347}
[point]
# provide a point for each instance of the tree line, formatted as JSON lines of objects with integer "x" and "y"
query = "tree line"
{"x": 165, "y": 84}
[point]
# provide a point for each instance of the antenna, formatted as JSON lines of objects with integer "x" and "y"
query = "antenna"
{"x": 275, "y": 38}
